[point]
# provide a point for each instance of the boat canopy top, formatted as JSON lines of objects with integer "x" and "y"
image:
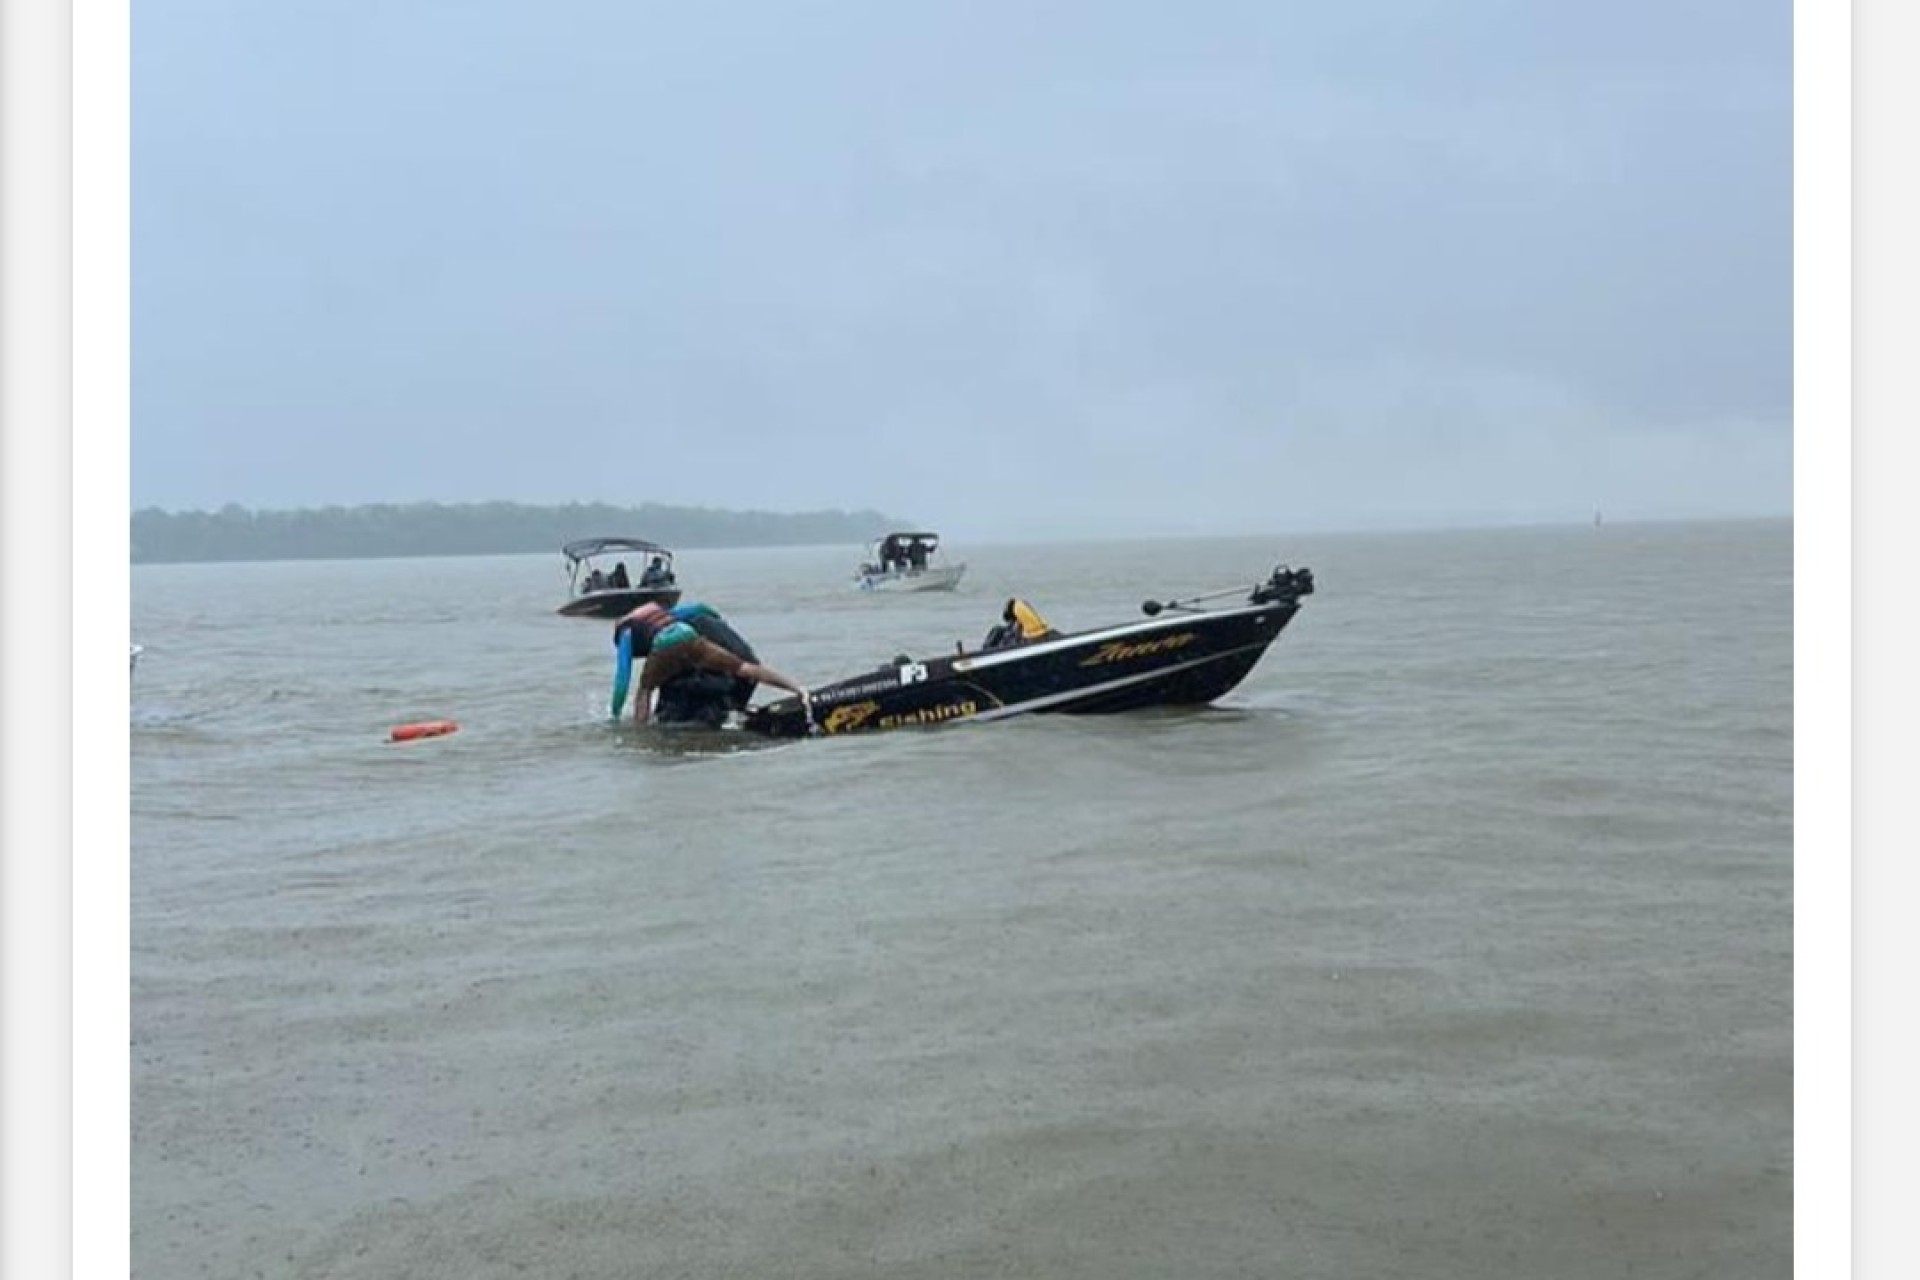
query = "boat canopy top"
{"x": 930, "y": 539}
{"x": 587, "y": 548}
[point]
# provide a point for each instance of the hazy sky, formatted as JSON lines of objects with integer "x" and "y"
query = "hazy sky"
{"x": 1074, "y": 268}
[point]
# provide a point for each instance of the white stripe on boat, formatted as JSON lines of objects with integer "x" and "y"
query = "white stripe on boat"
{"x": 1094, "y": 690}
{"x": 997, "y": 656}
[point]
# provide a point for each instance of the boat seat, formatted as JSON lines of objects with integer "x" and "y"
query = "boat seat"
{"x": 1020, "y": 623}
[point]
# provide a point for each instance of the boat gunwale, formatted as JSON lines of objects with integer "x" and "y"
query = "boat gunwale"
{"x": 976, "y": 659}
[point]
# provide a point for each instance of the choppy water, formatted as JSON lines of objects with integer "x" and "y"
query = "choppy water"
{"x": 1456, "y": 943}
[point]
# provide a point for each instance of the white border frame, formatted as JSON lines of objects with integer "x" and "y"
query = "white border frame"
{"x": 1881, "y": 951}
{"x": 37, "y": 656}
{"x": 102, "y": 501}
{"x": 64, "y": 381}
{"x": 36, "y": 730}
{"x": 1822, "y": 333}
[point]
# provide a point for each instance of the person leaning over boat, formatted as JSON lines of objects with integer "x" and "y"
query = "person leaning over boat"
{"x": 671, "y": 647}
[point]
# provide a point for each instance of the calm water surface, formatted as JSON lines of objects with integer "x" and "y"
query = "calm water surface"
{"x": 1455, "y": 943}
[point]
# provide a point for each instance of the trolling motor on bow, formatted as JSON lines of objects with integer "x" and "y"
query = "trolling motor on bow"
{"x": 1284, "y": 584}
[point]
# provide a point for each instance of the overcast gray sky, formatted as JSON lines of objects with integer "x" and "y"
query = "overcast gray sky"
{"x": 1082, "y": 268}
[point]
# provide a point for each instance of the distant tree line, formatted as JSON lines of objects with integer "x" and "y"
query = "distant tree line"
{"x": 473, "y": 529}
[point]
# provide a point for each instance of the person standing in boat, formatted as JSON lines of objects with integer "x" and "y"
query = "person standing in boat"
{"x": 672, "y": 647}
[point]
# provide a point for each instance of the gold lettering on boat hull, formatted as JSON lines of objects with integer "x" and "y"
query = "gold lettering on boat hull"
{"x": 930, "y": 715}
{"x": 1121, "y": 651}
{"x": 847, "y": 718}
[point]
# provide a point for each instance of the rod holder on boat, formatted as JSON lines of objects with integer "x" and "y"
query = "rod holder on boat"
{"x": 1153, "y": 608}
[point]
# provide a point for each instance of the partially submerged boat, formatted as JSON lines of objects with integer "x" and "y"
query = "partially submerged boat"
{"x": 907, "y": 561}
{"x": 601, "y": 585}
{"x": 1182, "y": 653}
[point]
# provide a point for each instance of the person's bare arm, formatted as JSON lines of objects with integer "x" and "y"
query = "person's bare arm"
{"x": 649, "y": 680}
{"x": 714, "y": 658}
{"x": 754, "y": 671}
{"x": 767, "y": 675}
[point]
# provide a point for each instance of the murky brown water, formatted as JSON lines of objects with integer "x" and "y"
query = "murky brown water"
{"x": 1456, "y": 944}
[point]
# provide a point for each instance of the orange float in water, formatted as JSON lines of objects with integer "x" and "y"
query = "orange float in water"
{"x": 421, "y": 729}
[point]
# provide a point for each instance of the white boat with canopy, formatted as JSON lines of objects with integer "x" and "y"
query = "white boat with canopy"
{"x": 908, "y": 561}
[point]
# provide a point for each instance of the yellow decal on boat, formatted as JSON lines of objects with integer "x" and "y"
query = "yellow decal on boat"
{"x": 931, "y": 715}
{"x": 851, "y": 716}
{"x": 1121, "y": 651}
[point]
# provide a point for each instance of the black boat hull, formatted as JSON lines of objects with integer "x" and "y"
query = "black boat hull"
{"x": 618, "y": 602}
{"x": 1175, "y": 658}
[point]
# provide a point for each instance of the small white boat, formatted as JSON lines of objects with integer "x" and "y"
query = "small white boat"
{"x": 133, "y": 656}
{"x": 907, "y": 561}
